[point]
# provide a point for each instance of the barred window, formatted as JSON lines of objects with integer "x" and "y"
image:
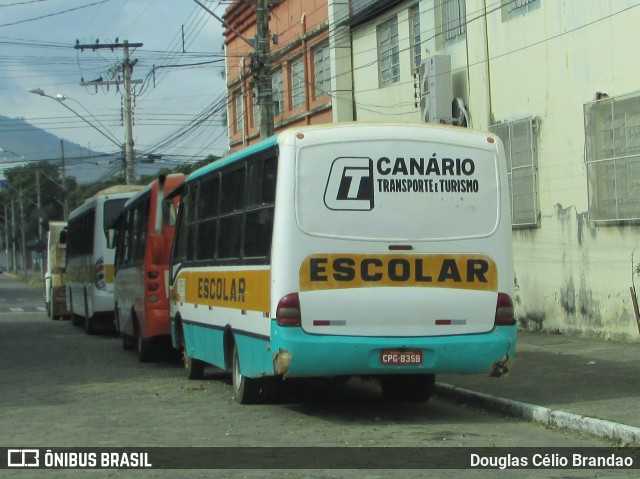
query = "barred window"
{"x": 297, "y": 82}
{"x": 414, "y": 25}
{"x": 520, "y": 144}
{"x": 612, "y": 133}
{"x": 454, "y": 18}
{"x": 388, "y": 52}
{"x": 514, "y": 8}
{"x": 239, "y": 107}
{"x": 276, "y": 87}
{"x": 321, "y": 70}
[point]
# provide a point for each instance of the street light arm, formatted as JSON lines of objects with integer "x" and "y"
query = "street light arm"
{"x": 38, "y": 91}
{"x": 60, "y": 97}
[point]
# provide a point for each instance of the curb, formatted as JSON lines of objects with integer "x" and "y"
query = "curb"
{"x": 627, "y": 435}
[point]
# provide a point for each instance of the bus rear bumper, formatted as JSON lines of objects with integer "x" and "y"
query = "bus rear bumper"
{"x": 298, "y": 354}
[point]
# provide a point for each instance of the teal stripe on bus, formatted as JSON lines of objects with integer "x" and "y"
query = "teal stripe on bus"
{"x": 235, "y": 156}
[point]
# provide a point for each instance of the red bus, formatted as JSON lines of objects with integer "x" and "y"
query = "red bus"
{"x": 144, "y": 235}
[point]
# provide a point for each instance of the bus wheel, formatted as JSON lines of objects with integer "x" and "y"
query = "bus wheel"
{"x": 408, "y": 388}
{"x": 194, "y": 367}
{"x": 245, "y": 390}
{"x": 89, "y": 325}
{"x": 423, "y": 387}
{"x": 77, "y": 320}
{"x": 127, "y": 342}
{"x": 144, "y": 347}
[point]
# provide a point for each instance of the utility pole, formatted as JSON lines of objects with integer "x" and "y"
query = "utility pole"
{"x": 13, "y": 237}
{"x": 40, "y": 219}
{"x": 263, "y": 62}
{"x": 6, "y": 237}
{"x": 129, "y": 158}
{"x": 126, "y": 68}
{"x": 65, "y": 207}
{"x": 23, "y": 234}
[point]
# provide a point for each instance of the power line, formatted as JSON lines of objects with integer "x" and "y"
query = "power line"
{"x": 53, "y": 14}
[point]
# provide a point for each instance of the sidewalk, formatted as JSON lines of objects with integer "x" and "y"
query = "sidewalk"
{"x": 584, "y": 384}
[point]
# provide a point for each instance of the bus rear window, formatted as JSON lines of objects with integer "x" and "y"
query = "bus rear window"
{"x": 397, "y": 190}
{"x": 112, "y": 209}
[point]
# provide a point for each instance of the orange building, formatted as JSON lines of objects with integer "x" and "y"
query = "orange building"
{"x": 301, "y": 74}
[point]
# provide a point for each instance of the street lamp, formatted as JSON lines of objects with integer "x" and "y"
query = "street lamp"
{"x": 60, "y": 99}
{"x": 2, "y": 150}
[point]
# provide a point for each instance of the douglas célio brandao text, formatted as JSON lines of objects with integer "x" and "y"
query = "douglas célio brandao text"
{"x": 550, "y": 460}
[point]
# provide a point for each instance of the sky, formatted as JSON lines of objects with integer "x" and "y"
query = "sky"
{"x": 179, "y": 112}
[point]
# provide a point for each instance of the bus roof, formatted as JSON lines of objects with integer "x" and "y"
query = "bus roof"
{"x": 145, "y": 189}
{"x": 272, "y": 141}
{"x": 112, "y": 190}
{"x": 235, "y": 156}
{"x": 121, "y": 191}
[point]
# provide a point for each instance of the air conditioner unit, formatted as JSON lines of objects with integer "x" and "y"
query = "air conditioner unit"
{"x": 436, "y": 91}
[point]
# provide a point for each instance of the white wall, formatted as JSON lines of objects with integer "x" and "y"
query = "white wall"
{"x": 573, "y": 276}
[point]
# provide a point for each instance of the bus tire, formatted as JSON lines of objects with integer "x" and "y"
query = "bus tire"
{"x": 194, "y": 367}
{"x": 89, "y": 325}
{"x": 417, "y": 388}
{"x": 76, "y": 320}
{"x": 423, "y": 387}
{"x": 128, "y": 343}
{"x": 245, "y": 390}
{"x": 144, "y": 347}
{"x": 271, "y": 389}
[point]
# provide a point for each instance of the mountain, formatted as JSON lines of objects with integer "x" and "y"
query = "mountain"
{"x": 21, "y": 143}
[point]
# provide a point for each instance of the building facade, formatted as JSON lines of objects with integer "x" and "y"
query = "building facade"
{"x": 301, "y": 75}
{"x": 555, "y": 80}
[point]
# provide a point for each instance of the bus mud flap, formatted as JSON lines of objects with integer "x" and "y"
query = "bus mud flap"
{"x": 499, "y": 367}
{"x": 281, "y": 362}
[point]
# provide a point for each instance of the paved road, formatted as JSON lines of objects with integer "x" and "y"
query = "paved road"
{"x": 16, "y": 297}
{"x": 61, "y": 387}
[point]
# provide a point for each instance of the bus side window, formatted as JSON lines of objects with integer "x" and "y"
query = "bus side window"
{"x": 258, "y": 231}
{"x": 190, "y": 227}
{"x": 259, "y": 216}
{"x": 182, "y": 233}
{"x": 208, "y": 198}
{"x": 232, "y": 202}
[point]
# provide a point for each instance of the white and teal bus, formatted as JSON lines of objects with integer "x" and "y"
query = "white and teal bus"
{"x": 379, "y": 250}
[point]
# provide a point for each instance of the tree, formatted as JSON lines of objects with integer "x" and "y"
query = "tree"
{"x": 22, "y": 187}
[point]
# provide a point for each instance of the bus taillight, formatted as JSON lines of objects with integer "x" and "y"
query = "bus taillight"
{"x": 288, "y": 310}
{"x": 101, "y": 281}
{"x": 153, "y": 286}
{"x": 504, "y": 311}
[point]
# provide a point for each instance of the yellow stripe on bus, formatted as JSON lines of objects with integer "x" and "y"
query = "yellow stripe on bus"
{"x": 343, "y": 271}
{"x": 109, "y": 273}
{"x": 247, "y": 289}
